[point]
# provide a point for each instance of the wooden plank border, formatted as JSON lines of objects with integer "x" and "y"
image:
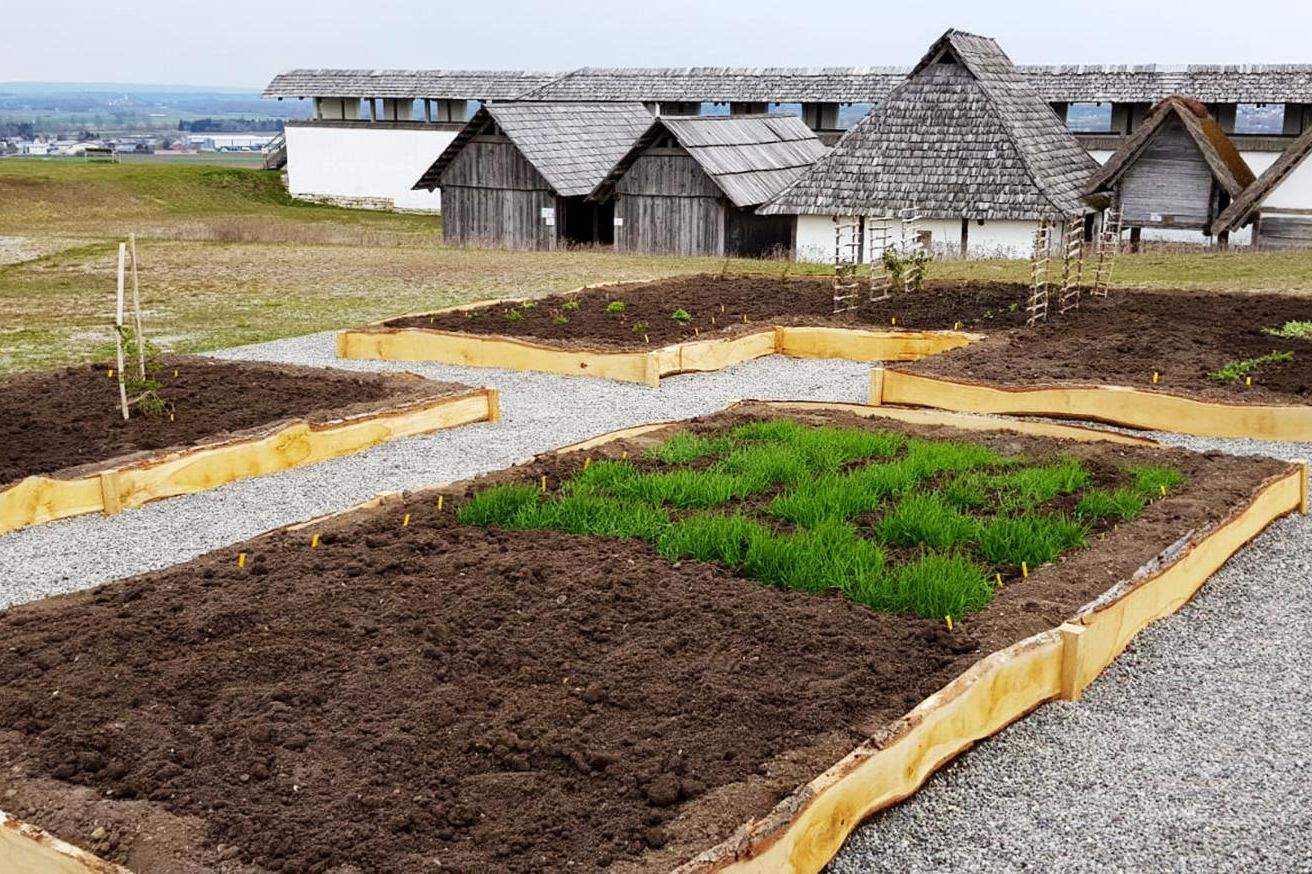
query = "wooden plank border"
{"x": 1116, "y": 405}
{"x": 38, "y": 499}
{"x": 805, "y": 830}
{"x": 26, "y": 849}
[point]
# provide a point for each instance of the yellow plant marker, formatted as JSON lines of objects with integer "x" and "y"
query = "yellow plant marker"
{"x": 175, "y": 373}
{"x": 544, "y": 484}
{"x": 587, "y": 462}
{"x": 1162, "y": 488}
{"x": 1156, "y": 377}
{"x": 696, "y": 332}
{"x": 646, "y": 339}
{"x": 241, "y": 559}
{"x": 721, "y": 307}
{"x": 1024, "y": 570}
{"x": 170, "y": 415}
{"x": 956, "y": 326}
{"x": 624, "y": 454}
{"x": 1248, "y": 381}
{"x": 314, "y": 541}
{"x": 111, "y": 373}
{"x": 405, "y": 523}
{"x": 439, "y": 503}
{"x": 949, "y": 618}
{"x": 999, "y": 576}
{"x": 893, "y": 321}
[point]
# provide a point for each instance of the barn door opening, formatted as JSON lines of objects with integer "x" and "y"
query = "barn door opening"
{"x": 588, "y": 223}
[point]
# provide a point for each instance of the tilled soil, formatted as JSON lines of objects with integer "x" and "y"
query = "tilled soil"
{"x": 1123, "y": 338}
{"x": 61, "y": 419}
{"x": 408, "y": 695}
{"x": 716, "y": 307}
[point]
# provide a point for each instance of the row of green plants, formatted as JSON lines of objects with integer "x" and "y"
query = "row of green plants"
{"x": 1245, "y": 368}
{"x": 898, "y": 524}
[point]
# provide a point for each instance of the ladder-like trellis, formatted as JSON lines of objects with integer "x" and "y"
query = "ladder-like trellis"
{"x": 1108, "y": 247}
{"x": 879, "y": 230}
{"x": 1072, "y": 266}
{"x": 1036, "y": 307}
{"x": 847, "y": 252}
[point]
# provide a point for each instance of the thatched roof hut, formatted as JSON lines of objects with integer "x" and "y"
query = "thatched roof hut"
{"x": 1178, "y": 170}
{"x": 517, "y": 175}
{"x": 964, "y": 137}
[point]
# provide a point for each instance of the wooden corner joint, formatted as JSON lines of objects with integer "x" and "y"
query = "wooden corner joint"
{"x": 111, "y": 498}
{"x": 1302, "y": 485}
{"x": 1072, "y": 662}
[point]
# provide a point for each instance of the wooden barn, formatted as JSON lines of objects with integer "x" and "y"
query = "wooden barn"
{"x": 1177, "y": 170}
{"x": 518, "y": 175}
{"x": 965, "y": 143}
{"x": 690, "y": 185}
{"x": 1278, "y": 204}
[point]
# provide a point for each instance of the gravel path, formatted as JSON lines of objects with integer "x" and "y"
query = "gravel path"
{"x": 1189, "y": 754}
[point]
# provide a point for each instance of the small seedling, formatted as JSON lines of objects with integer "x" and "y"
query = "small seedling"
{"x": 639, "y": 327}
{"x": 559, "y": 318}
{"x": 570, "y": 306}
{"x": 528, "y": 304}
{"x": 616, "y": 306}
{"x": 1292, "y": 330}
{"x": 1237, "y": 370}
{"x": 513, "y": 316}
{"x": 681, "y": 315}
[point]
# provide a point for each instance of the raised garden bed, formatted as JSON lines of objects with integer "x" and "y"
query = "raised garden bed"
{"x": 391, "y": 688}
{"x": 639, "y": 332}
{"x": 1220, "y": 365}
{"x": 66, "y": 450}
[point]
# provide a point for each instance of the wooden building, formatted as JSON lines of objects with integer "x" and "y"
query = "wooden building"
{"x": 518, "y": 175}
{"x": 690, "y": 185}
{"x": 1278, "y": 204}
{"x": 964, "y": 143}
{"x": 1177, "y": 170}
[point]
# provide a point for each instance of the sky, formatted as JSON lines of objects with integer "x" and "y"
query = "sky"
{"x": 243, "y": 43}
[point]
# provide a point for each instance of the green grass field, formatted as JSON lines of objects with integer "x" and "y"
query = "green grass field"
{"x": 227, "y": 257}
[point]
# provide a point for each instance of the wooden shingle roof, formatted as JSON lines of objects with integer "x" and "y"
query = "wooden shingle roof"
{"x": 573, "y": 145}
{"x": 1210, "y": 83}
{"x": 1227, "y": 165}
{"x": 750, "y": 158}
{"x": 432, "y": 84}
{"x": 965, "y": 136}
{"x": 1241, "y": 209}
{"x": 724, "y": 84}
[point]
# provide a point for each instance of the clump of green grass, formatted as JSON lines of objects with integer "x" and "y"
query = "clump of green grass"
{"x": 1155, "y": 479}
{"x": 1237, "y": 370}
{"x": 926, "y": 520}
{"x": 1292, "y": 330}
{"x": 528, "y": 304}
{"x": 1031, "y": 537}
{"x": 711, "y": 537}
{"x": 1026, "y": 487}
{"x": 639, "y": 327}
{"x": 559, "y": 318}
{"x": 602, "y": 477}
{"x": 681, "y": 315}
{"x": 498, "y": 505}
{"x": 684, "y": 447}
{"x": 616, "y": 306}
{"x": 595, "y": 515}
{"x": 939, "y": 585}
{"x": 966, "y": 492}
{"x": 831, "y": 496}
{"x": 570, "y": 306}
{"x": 769, "y": 431}
{"x": 512, "y": 315}
{"x": 937, "y": 456}
{"x": 1121, "y": 504}
{"x": 764, "y": 466}
{"x": 685, "y": 489}
{"x": 828, "y": 556}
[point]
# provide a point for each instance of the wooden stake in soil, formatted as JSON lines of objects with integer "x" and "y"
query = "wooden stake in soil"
{"x": 136, "y": 310}
{"x": 118, "y": 332}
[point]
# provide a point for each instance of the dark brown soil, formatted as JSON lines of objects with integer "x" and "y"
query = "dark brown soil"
{"x": 717, "y": 306}
{"x": 493, "y": 701}
{"x": 1123, "y": 338}
{"x": 61, "y": 419}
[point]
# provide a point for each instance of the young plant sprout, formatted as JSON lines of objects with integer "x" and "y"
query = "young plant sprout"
{"x": 616, "y": 306}
{"x": 681, "y": 315}
{"x": 570, "y": 306}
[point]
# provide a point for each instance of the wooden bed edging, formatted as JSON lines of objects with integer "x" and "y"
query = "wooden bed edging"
{"x": 806, "y": 830}
{"x": 38, "y": 499}
{"x": 26, "y": 849}
{"x": 1117, "y": 405}
{"x": 381, "y": 343}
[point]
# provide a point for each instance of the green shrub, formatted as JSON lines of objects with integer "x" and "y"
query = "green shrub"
{"x": 764, "y": 466}
{"x": 601, "y": 477}
{"x": 684, "y": 489}
{"x": 966, "y": 492}
{"x": 926, "y": 520}
{"x": 1120, "y": 504}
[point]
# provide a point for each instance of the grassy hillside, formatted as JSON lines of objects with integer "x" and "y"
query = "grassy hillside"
{"x": 227, "y": 258}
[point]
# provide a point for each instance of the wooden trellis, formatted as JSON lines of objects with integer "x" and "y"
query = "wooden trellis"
{"x": 1072, "y": 266}
{"x": 879, "y": 230}
{"x": 847, "y": 255}
{"x": 1037, "y": 305}
{"x": 1108, "y": 247}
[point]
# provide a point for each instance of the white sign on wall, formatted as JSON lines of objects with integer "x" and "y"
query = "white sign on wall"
{"x": 548, "y": 215}
{"x": 619, "y": 221}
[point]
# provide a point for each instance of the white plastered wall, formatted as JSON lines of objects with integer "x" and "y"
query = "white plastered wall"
{"x": 364, "y": 167}
{"x": 993, "y": 239}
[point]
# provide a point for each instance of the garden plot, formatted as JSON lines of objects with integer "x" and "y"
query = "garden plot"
{"x": 65, "y": 448}
{"x": 612, "y": 656}
{"x": 1220, "y": 365}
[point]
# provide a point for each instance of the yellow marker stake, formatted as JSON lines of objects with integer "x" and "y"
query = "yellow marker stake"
{"x": 624, "y": 454}
{"x": 314, "y": 541}
{"x": 646, "y": 339}
{"x": 241, "y": 559}
{"x": 949, "y": 619}
{"x": 1162, "y": 488}
{"x": 587, "y": 462}
{"x": 1156, "y": 377}
{"x": 111, "y": 373}
{"x": 893, "y": 321}
{"x": 175, "y": 374}
{"x": 744, "y": 318}
{"x": 405, "y": 523}
{"x": 1248, "y": 381}
{"x": 544, "y": 484}
{"x": 721, "y": 307}
{"x": 999, "y": 576}
{"x": 1024, "y": 570}
{"x": 956, "y": 326}
{"x": 696, "y": 332}
{"x": 170, "y": 415}
{"x": 439, "y": 503}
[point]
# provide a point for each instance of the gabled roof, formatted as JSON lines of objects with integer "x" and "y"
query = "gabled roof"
{"x": 724, "y": 84}
{"x": 1241, "y": 209}
{"x": 573, "y": 145}
{"x": 965, "y": 136}
{"x": 750, "y": 158}
{"x": 1224, "y": 160}
{"x": 433, "y": 84}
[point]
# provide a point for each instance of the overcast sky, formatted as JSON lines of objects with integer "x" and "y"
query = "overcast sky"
{"x": 243, "y": 42}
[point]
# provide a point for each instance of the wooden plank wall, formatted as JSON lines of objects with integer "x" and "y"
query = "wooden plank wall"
{"x": 669, "y": 207}
{"x": 1171, "y": 179}
{"x": 748, "y": 235}
{"x": 492, "y": 196}
{"x": 1284, "y": 231}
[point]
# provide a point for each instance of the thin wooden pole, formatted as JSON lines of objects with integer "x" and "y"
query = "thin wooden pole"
{"x": 136, "y": 310}
{"x": 118, "y": 331}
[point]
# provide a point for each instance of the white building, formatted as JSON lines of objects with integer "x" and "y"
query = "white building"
{"x": 1278, "y": 205}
